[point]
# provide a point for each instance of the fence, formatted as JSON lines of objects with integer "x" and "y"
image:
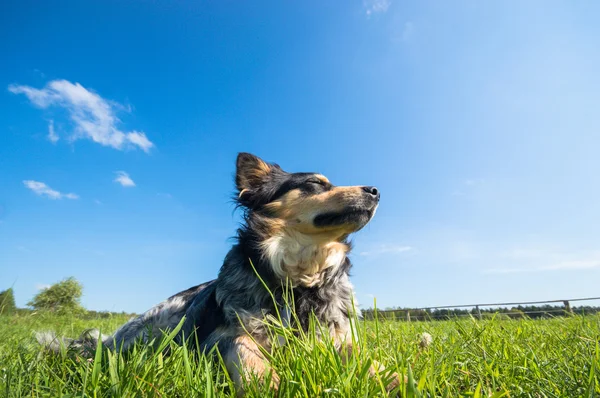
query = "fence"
{"x": 484, "y": 309}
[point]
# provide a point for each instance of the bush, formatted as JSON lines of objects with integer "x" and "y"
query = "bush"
{"x": 62, "y": 297}
{"x": 7, "y": 302}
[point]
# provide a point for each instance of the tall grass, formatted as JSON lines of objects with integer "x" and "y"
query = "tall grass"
{"x": 489, "y": 358}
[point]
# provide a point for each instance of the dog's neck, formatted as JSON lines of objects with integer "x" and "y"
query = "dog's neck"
{"x": 301, "y": 258}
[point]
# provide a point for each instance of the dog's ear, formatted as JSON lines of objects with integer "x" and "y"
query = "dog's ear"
{"x": 251, "y": 172}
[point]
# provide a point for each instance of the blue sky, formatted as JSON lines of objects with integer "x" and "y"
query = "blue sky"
{"x": 478, "y": 121}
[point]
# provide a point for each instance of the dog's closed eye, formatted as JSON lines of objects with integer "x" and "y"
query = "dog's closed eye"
{"x": 316, "y": 181}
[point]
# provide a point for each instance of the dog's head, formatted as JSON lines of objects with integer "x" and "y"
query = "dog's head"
{"x": 306, "y": 203}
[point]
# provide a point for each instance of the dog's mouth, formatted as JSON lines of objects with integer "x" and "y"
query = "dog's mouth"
{"x": 352, "y": 218}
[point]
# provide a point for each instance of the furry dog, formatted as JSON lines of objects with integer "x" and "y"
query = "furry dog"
{"x": 295, "y": 233}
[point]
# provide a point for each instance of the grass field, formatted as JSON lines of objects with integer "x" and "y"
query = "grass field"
{"x": 490, "y": 358}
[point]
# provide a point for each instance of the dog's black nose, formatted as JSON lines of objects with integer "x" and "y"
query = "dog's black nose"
{"x": 372, "y": 190}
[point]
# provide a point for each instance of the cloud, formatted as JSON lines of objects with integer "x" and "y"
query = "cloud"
{"x": 376, "y": 6}
{"x": 387, "y": 249}
{"x": 93, "y": 117}
{"x": 124, "y": 179}
{"x": 521, "y": 253}
{"x": 472, "y": 182}
{"x": 41, "y": 286}
{"x": 547, "y": 262}
{"x": 577, "y": 264}
{"x": 39, "y": 73}
{"x": 42, "y": 189}
{"x": 52, "y": 136}
{"x": 467, "y": 186}
{"x": 506, "y": 270}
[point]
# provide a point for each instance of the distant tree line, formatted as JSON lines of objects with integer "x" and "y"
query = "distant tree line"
{"x": 64, "y": 297}
{"x": 518, "y": 312}
{"x": 61, "y": 298}
{"x": 7, "y": 302}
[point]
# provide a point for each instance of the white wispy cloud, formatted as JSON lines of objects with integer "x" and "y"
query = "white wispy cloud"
{"x": 376, "y": 6}
{"x": 124, "y": 179}
{"x": 468, "y": 185}
{"x": 385, "y": 248}
{"x": 93, "y": 117}
{"x": 576, "y": 264}
{"x": 42, "y": 189}
{"x": 533, "y": 260}
{"x": 52, "y": 136}
{"x": 503, "y": 270}
{"x": 524, "y": 253}
{"x": 473, "y": 181}
{"x": 42, "y": 286}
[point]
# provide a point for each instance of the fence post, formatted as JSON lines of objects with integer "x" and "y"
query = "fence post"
{"x": 568, "y": 308}
{"x": 478, "y": 312}
{"x": 408, "y": 315}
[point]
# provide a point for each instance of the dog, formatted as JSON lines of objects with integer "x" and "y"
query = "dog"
{"x": 294, "y": 233}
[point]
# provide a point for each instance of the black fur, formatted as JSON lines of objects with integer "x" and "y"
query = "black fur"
{"x": 213, "y": 310}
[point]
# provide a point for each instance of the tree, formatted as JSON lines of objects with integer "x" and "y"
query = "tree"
{"x": 62, "y": 297}
{"x": 7, "y": 302}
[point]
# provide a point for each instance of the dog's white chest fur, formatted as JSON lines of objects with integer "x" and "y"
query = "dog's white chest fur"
{"x": 297, "y": 257}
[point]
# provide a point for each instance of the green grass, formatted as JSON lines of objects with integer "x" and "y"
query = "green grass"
{"x": 490, "y": 358}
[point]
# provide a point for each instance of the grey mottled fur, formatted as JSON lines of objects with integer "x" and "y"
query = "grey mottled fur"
{"x": 270, "y": 254}
{"x": 239, "y": 295}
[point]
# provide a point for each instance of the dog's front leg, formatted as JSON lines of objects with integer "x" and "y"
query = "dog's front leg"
{"x": 244, "y": 360}
{"x": 376, "y": 370}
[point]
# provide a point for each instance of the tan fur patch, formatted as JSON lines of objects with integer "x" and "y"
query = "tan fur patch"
{"x": 296, "y": 248}
{"x": 263, "y": 168}
{"x": 260, "y": 170}
{"x": 322, "y": 178}
{"x": 244, "y": 360}
{"x": 344, "y": 335}
{"x": 376, "y": 370}
{"x": 298, "y": 211}
{"x": 253, "y": 175}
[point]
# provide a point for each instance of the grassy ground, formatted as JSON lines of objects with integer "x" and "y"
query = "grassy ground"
{"x": 491, "y": 358}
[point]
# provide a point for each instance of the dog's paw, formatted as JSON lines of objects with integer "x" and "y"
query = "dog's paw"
{"x": 274, "y": 382}
{"x": 391, "y": 380}
{"x": 396, "y": 381}
{"x": 395, "y": 384}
